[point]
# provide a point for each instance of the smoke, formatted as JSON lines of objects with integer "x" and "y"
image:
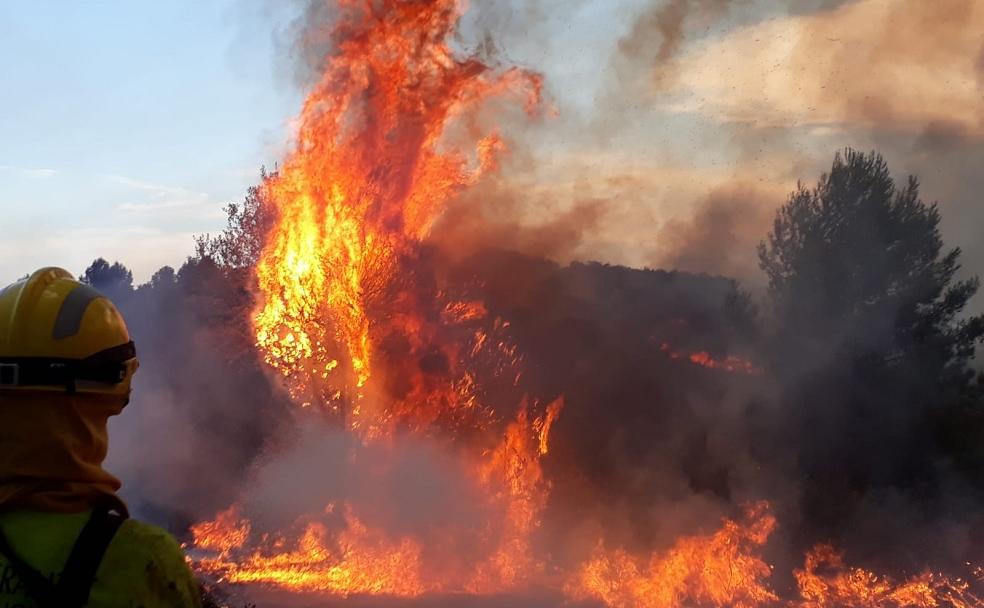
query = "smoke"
{"x": 739, "y": 92}
{"x": 496, "y": 215}
{"x": 736, "y": 91}
{"x": 666, "y": 22}
{"x": 806, "y": 69}
{"x": 599, "y": 178}
{"x": 410, "y": 488}
{"x": 901, "y": 77}
{"x": 203, "y": 406}
{"x": 718, "y": 235}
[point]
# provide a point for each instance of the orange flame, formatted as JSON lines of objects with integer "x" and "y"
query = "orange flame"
{"x": 718, "y": 570}
{"x": 723, "y": 570}
{"x": 374, "y": 165}
{"x": 386, "y": 140}
{"x": 360, "y": 560}
{"x": 514, "y": 469}
{"x": 355, "y": 561}
{"x": 731, "y": 363}
{"x": 825, "y": 582}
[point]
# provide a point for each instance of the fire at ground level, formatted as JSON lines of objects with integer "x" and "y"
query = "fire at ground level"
{"x": 724, "y": 568}
{"x": 869, "y": 592}
{"x": 263, "y": 597}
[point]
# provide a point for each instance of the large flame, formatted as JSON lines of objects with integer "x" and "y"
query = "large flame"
{"x": 390, "y": 135}
{"x": 386, "y": 139}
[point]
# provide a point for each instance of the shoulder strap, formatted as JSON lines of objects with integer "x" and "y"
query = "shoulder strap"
{"x": 75, "y": 583}
{"x": 87, "y": 554}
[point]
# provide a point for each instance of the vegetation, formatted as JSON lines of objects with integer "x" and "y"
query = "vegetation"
{"x": 870, "y": 342}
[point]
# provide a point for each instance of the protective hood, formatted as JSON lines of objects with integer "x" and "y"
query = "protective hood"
{"x": 52, "y": 447}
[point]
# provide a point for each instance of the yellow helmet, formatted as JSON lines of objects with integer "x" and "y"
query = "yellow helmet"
{"x": 59, "y": 334}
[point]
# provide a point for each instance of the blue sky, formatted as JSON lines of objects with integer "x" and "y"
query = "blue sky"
{"x": 126, "y": 126}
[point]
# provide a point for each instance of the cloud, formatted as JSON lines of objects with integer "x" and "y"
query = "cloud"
{"x": 895, "y": 64}
{"x": 30, "y": 173}
{"x": 197, "y": 199}
{"x": 154, "y": 190}
{"x": 138, "y": 184}
{"x": 166, "y": 199}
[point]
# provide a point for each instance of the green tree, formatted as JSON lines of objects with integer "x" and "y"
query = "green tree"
{"x": 115, "y": 280}
{"x": 871, "y": 344}
{"x": 164, "y": 278}
{"x": 857, "y": 269}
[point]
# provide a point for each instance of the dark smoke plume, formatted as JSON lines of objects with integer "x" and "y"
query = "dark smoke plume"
{"x": 717, "y": 235}
{"x": 667, "y": 22}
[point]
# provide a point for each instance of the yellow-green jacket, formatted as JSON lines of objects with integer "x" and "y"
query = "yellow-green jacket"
{"x": 143, "y": 566}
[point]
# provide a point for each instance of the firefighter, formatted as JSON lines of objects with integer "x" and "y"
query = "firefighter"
{"x": 66, "y": 362}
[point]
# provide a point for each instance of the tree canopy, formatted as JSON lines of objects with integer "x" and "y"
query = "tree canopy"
{"x": 240, "y": 244}
{"x": 870, "y": 341}
{"x": 857, "y": 268}
{"x": 115, "y": 280}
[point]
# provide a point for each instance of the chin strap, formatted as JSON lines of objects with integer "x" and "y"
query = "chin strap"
{"x": 75, "y": 583}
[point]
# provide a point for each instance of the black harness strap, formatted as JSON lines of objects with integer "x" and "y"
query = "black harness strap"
{"x": 83, "y": 562}
{"x": 76, "y": 580}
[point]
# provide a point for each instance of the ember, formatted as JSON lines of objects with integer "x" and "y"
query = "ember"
{"x": 731, "y": 363}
